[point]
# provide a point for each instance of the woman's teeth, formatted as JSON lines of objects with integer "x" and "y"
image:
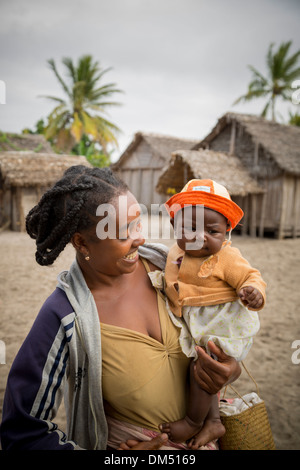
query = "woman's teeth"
{"x": 131, "y": 255}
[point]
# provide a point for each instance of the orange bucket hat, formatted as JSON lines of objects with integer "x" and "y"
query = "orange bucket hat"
{"x": 209, "y": 194}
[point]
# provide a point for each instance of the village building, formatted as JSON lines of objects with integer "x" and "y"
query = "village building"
{"x": 24, "y": 142}
{"x": 141, "y": 164}
{"x": 24, "y": 177}
{"x": 185, "y": 165}
{"x": 269, "y": 154}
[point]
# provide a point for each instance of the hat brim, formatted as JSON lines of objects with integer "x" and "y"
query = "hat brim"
{"x": 226, "y": 207}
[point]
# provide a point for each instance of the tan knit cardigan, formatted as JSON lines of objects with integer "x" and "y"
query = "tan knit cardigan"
{"x": 208, "y": 281}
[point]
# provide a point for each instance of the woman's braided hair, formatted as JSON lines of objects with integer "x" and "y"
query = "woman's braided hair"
{"x": 70, "y": 206}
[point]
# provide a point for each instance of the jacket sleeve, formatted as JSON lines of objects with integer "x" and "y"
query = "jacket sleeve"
{"x": 239, "y": 273}
{"x": 36, "y": 381}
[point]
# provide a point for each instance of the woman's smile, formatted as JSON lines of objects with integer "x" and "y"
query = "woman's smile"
{"x": 132, "y": 256}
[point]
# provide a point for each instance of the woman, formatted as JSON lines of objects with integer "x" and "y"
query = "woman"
{"x": 103, "y": 338}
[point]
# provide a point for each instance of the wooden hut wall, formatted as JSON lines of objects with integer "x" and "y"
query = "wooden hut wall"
{"x": 221, "y": 142}
{"x": 21, "y": 201}
{"x": 253, "y": 221}
{"x": 140, "y": 172}
{"x": 272, "y": 204}
{"x": 17, "y": 214}
{"x": 141, "y": 183}
{"x": 281, "y": 203}
{"x": 289, "y": 224}
{"x": 234, "y": 139}
{"x": 5, "y": 208}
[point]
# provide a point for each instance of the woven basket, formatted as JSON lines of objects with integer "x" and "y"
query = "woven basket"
{"x": 248, "y": 430}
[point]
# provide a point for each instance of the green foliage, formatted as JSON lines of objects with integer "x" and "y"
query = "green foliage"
{"x": 282, "y": 70}
{"x": 93, "y": 154}
{"x": 6, "y": 142}
{"x": 294, "y": 119}
{"x": 39, "y": 128}
{"x": 83, "y": 111}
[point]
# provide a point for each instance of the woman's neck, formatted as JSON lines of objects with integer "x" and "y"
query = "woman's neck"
{"x": 97, "y": 280}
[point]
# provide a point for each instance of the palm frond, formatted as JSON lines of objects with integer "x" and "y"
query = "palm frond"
{"x": 67, "y": 61}
{"x": 53, "y": 68}
{"x": 291, "y": 62}
{"x": 281, "y": 71}
{"x": 77, "y": 128}
{"x": 279, "y": 60}
{"x": 292, "y": 75}
{"x": 55, "y": 123}
{"x": 258, "y": 76}
{"x": 266, "y": 108}
{"x": 53, "y": 98}
{"x": 269, "y": 58}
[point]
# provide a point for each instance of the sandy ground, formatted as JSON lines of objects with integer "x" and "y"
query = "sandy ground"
{"x": 24, "y": 286}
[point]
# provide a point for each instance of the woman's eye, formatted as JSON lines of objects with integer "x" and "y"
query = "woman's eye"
{"x": 189, "y": 229}
{"x": 134, "y": 228}
{"x": 123, "y": 236}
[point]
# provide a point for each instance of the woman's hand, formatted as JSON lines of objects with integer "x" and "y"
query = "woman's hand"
{"x": 212, "y": 375}
{"x": 155, "y": 443}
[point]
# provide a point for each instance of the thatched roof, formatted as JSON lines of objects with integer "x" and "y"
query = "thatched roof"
{"x": 35, "y": 169}
{"x": 207, "y": 164}
{"x": 24, "y": 142}
{"x": 280, "y": 141}
{"x": 162, "y": 145}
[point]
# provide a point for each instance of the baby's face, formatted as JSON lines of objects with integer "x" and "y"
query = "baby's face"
{"x": 200, "y": 232}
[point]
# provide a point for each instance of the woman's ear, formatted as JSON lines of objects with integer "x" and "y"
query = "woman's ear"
{"x": 79, "y": 242}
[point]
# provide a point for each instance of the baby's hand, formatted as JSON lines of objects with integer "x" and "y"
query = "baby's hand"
{"x": 251, "y": 298}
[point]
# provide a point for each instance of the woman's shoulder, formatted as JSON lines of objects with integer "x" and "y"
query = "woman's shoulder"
{"x": 56, "y": 315}
{"x": 155, "y": 253}
{"x": 56, "y": 307}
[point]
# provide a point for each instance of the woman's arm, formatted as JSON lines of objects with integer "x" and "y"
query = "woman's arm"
{"x": 36, "y": 381}
{"x": 213, "y": 375}
{"x": 154, "y": 444}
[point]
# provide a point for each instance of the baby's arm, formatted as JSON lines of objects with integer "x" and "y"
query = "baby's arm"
{"x": 246, "y": 280}
{"x": 251, "y": 297}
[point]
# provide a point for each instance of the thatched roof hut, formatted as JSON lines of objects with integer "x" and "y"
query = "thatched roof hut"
{"x": 280, "y": 142}
{"x": 141, "y": 164}
{"x": 27, "y": 169}
{"x": 160, "y": 145}
{"x": 24, "y": 177}
{"x": 206, "y": 164}
{"x": 24, "y": 142}
{"x": 271, "y": 154}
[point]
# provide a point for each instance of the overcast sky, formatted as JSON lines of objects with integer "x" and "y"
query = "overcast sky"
{"x": 180, "y": 63}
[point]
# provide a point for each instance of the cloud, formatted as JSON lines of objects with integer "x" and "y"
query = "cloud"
{"x": 181, "y": 63}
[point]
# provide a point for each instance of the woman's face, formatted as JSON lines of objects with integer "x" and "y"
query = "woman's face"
{"x": 112, "y": 245}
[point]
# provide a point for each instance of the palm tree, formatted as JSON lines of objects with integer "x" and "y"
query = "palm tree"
{"x": 282, "y": 70}
{"x": 83, "y": 111}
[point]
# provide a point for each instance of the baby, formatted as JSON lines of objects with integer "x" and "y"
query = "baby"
{"x": 212, "y": 292}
